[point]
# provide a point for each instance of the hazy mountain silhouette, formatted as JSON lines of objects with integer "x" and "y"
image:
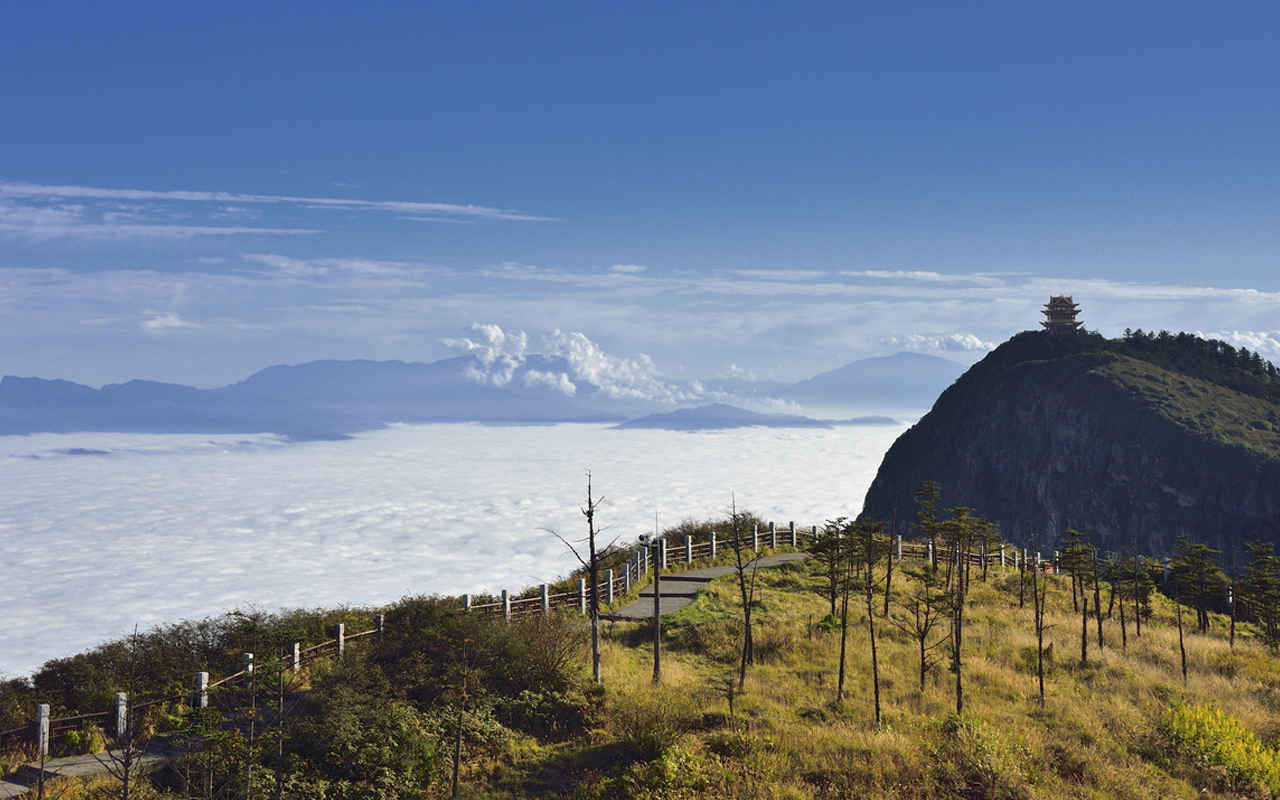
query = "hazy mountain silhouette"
{"x": 327, "y": 399}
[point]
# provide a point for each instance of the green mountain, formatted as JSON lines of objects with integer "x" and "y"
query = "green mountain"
{"x": 1138, "y": 440}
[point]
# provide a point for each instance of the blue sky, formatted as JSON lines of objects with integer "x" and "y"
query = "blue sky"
{"x": 764, "y": 189}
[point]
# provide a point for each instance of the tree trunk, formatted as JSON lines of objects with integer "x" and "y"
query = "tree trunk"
{"x": 1084, "y": 633}
{"x": 1182, "y": 647}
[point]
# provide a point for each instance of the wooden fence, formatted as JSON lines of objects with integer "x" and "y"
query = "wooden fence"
{"x": 636, "y": 564}
{"x": 41, "y": 731}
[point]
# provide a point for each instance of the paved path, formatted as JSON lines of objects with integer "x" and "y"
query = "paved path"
{"x": 679, "y": 588}
{"x": 86, "y": 766}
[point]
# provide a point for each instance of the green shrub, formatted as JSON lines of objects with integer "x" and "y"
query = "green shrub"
{"x": 1210, "y": 738}
{"x": 651, "y": 721}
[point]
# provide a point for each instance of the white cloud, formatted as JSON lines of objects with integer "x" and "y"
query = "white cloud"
{"x": 1265, "y": 343}
{"x": 55, "y": 221}
{"x": 627, "y": 269}
{"x": 32, "y": 190}
{"x": 498, "y": 353}
{"x": 168, "y": 320}
{"x": 555, "y": 381}
{"x": 206, "y": 525}
{"x": 618, "y": 378}
{"x": 951, "y": 342}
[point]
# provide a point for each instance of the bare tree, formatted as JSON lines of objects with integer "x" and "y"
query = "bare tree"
{"x": 124, "y": 762}
{"x": 869, "y": 542}
{"x": 1039, "y": 588}
{"x": 592, "y": 565}
{"x": 744, "y": 564}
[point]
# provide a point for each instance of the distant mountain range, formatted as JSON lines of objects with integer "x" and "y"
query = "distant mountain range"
{"x": 329, "y": 399}
{"x": 720, "y": 416}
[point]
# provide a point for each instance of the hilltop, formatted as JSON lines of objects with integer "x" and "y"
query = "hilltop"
{"x": 1141, "y": 440}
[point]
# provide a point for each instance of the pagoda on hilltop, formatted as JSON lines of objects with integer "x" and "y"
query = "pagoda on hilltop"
{"x": 1060, "y": 316}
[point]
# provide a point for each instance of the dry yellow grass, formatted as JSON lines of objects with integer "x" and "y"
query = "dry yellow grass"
{"x": 1099, "y": 734}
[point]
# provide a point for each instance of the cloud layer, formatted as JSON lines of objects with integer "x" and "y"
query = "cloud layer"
{"x": 160, "y": 528}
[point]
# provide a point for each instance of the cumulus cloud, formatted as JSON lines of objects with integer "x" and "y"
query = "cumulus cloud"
{"x": 555, "y": 381}
{"x": 949, "y": 342}
{"x": 617, "y": 377}
{"x": 498, "y": 353}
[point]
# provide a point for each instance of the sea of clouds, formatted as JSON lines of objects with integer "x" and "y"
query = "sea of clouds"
{"x": 100, "y": 532}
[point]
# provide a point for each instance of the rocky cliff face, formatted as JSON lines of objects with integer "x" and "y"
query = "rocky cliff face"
{"x": 1047, "y": 433}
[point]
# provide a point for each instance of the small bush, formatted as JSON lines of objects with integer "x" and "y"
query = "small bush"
{"x": 1210, "y": 738}
{"x": 652, "y": 721}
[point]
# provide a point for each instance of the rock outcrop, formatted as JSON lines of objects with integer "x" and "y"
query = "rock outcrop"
{"x": 1047, "y": 433}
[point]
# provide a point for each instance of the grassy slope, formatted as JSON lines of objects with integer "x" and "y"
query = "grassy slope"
{"x": 1099, "y": 735}
{"x": 1206, "y": 409}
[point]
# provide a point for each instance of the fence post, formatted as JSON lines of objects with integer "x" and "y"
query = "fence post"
{"x": 813, "y": 534}
{"x": 42, "y": 729}
{"x": 546, "y": 599}
{"x": 122, "y": 714}
{"x": 755, "y": 536}
{"x": 466, "y": 602}
{"x": 1002, "y": 555}
{"x": 773, "y": 536}
{"x": 899, "y": 547}
{"x": 930, "y": 553}
{"x": 713, "y": 544}
{"x": 644, "y": 559}
{"x": 608, "y": 579}
{"x": 297, "y": 656}
{"x": 380, "y": 622}
{"x": 202, "y": 690}
{"x": 582, "y": 595}
{"x": 342, "y": 639}
{"x": 792, "y": 527}
{"x": 688, "y": 549}
{"x": 506, "y": 605}
{"x": 1038, "y": 561}
{"x": 626, "y": 579}
{"x": 1166, "y": 571}
{"x": 662, "y": 546}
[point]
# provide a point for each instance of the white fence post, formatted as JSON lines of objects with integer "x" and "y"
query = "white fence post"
{"x": 546, "y": 599}
{"x": 380, "y": 624}
{"x": 792, "y": 527}
{"x": 466, "y": 602}
{"x": 42, "y": 728}
{"x": 755, "y": 536}
{"x": 608, "y": 579}
{"x": 662, "y": 546}
{"x": 899, "y": 547}
{"x": 122, "y": 714}
{"x": 582, "y": 595}
{"x": 713, "y": 544}
{"x": 342, "y": 639}
{"x": 626, "y": 579}
{"x": 202, "y": 690}
{"x": 506, "y": 604}
{"x": 1002, "y": 555}
{"x": 929, "y": 554}
{"x": 297, "y": 656}
{"x": 688, "y": 549}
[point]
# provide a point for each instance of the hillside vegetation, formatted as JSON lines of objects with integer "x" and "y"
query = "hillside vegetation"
{"x": 382, "y": 723}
